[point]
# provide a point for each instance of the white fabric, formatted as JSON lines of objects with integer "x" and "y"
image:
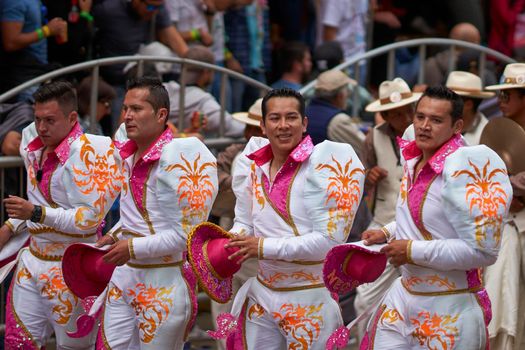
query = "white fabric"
{"x": 473, "y": 135}
{"x": 198, "y": 100}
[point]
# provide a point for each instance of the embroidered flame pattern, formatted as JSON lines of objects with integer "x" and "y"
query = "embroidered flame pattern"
{"x": 390, "y": 316}
{"x": 431, "y": 280}
{"x": 152, "y": 306}
{"x": 297, "y": 275}
{"x": 302, "y": 323}
{"x": 22, "y": 274}
{"x": 487, "y": 196}
{"x": 196, "y": 187}
{"x": 256, "y": 310}
{"x": 343, "y": 188}
{"x": 256, "y": 186}
{"x": 101, "y": 174}
{"x": 403, "y": 189}
{"x": 435, "y": 331}
{"x": 54, "y": 287}
{"x": 114, "y": 294}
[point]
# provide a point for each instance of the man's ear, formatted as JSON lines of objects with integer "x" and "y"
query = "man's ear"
{"x": 73, "y": 117}
{"x": 162, "y": 115}
{"x": 458, "y": 126}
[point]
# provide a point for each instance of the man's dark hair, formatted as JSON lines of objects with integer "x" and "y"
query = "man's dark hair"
{"x": 61, "y": 91}
{"x": 441, "y": 92}
{"x": 158, "y": 95}
{"x": 285, "y": 92}
{"x": 292, "y": 52}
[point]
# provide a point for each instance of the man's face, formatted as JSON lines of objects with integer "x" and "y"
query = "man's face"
{"x": 52, "y": 125}
{"x": 511, "y": 102}
{"x": 433, "y": 124}
{"x": 143, "y": 125}
{"x": 283, "y": 124}
{"x": 399, "y": 118}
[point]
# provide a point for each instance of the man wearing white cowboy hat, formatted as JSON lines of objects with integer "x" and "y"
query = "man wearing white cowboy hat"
{"x": 444, "y": 233}
{"x": 469, "y": 87}
{"x": 506, "y": 280}
{"x": 383, "y": 174}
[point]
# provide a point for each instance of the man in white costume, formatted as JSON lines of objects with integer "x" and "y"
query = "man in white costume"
{"x": 150, "y": 301}
{"x": 294, "y": 202}
{"x": 73, "y": 179}
{"x": 449, "y": 219}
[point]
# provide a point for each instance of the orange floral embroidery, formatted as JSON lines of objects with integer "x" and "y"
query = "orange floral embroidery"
{"x": 152, "y": 305}
{"x": 114, "y": 294}
{"x": 100, "y": 176}
{"x": 48, "y": 248}
{"x": 54, "y": 287}
{"x": 403, "y": 189}
{"x": 344, "y": 189}
{"x": 435, "y": 331}
{"x": 390, "y": 316}
{"x": 32, "y": 177}
{"x": 412, "y": 281}
{"x": 256, "y": 186}
{"x": 432, "y": 280}
{"x": 297, "y": 275}
{"x": 487, "y": 196}
{"x": 196, "y": 187}
{"x": 256, "y": 310}
{"x": 303, "y": 323}
{"x": 23, "y": 273}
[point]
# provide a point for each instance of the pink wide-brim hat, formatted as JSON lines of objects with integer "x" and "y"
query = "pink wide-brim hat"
{"x": 349, "y": 265}
{"x": 84, "y": 271}
{"x": 209, "y": 259}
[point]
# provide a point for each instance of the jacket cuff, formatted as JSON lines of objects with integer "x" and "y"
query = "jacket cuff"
{"x": 416, "y": 252}
{"x": 131, "y": 249}
{"x": 270, "y": 248}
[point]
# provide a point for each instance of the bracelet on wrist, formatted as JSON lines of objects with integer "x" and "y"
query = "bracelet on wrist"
{"x": 46, "y": 31}
{"x": 88, "y": 16}
{"x": 195, "y": 35}
{"x": 40, "y": 33}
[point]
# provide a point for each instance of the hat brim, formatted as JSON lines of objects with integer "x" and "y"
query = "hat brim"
{"x": 505, "y": 86}
{"x": 73, "y": 271}
{"x": 376, "y": 106}
{"x": 218, "y": 289}
{"x": 243, "y": 118}
{"x": 335, "y": 279}
{"x": 480, "y": 94}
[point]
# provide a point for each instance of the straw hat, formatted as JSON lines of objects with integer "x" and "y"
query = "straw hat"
{"x": 84, "y": 271}
{"x": 332, "y": 80}
{"x": 253, "y": 116}
{"x": 209, "y": 259}
{"x": 467, "y": 84}
{"x": 349, "y": 265}
{"x": 513, "y": 77}
{"x": 393, "y": 94}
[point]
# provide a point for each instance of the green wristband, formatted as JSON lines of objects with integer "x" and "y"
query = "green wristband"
{"x": 40, "y": 33}
{"x": 86, "y": 15}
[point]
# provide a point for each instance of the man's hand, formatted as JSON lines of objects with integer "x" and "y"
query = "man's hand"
{"x": 85, "y": 5}
{"x": 375, "y": 175}
{"x": 234, "y": 65}
{"x": 104, "y": 240}
{"x": 18, "y": 208}
{"x": 206, "y": 38}
{"x": 5, "y": 235}
{"x": 57, "y": 25}
{"x": 249, "y": 248}
{"x": 396, "y": 251}
{"x": 373, "y": 237}
{"x": 118, "y": 253}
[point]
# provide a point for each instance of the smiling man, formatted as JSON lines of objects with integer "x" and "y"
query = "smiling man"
{"x": 449, "y": 217}
{"x": 172, "y": 184}
{"x": 73, "y": 179}
{"x": 294, "y": 202}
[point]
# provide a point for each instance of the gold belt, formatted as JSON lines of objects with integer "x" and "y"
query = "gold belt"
{"x": 289, "y": 289}
{"x": 45, "y": 256}
{"x": 445, "y": 292}
{"x": 153, "y": 266}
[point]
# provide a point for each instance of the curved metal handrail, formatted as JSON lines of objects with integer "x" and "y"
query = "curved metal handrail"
{"x": 140, "y": 59}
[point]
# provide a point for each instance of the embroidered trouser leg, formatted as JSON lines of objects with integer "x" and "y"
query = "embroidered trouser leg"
{"x": 39, "y": 303}
{"x": 300, "y": 319}
{"x": 406, "y": 321}
{"x": 146, "y": 308}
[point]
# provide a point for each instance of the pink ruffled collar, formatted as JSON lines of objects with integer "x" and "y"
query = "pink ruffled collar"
{"x": 299, "y": 154}
{"x": 127, "y": 148}
{"x": 409, "y": 150}
{"x": 63, "y": 149}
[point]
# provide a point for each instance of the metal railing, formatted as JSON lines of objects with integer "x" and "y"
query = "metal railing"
{"x": 422, "y": 44}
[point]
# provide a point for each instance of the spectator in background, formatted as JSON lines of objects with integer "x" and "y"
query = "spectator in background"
{"x": 78, "y": 47}
{"x": 189, "y": 17}
{"x": 505, "y": 16}
{"x": 122, "y": 27}
{"x": 197, "y": 99}
{"x": 437, "y": 67}
{"x": 326, "y": 112}
{"x": 296, "y": 64}
{"x": 13, "y": 119}
{"x": 106, "y": 94}
{"x": 248, "y": 40}
{"x": 23, "y": 55}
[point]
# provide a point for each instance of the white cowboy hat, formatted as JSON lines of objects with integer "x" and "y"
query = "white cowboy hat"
{"x": 393, "y": 94}
{"x": 467, "y": 84}
{"x": 513, "y": 77}
{"x": 332, "y": 80}
{"x": 253, "y": 116}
